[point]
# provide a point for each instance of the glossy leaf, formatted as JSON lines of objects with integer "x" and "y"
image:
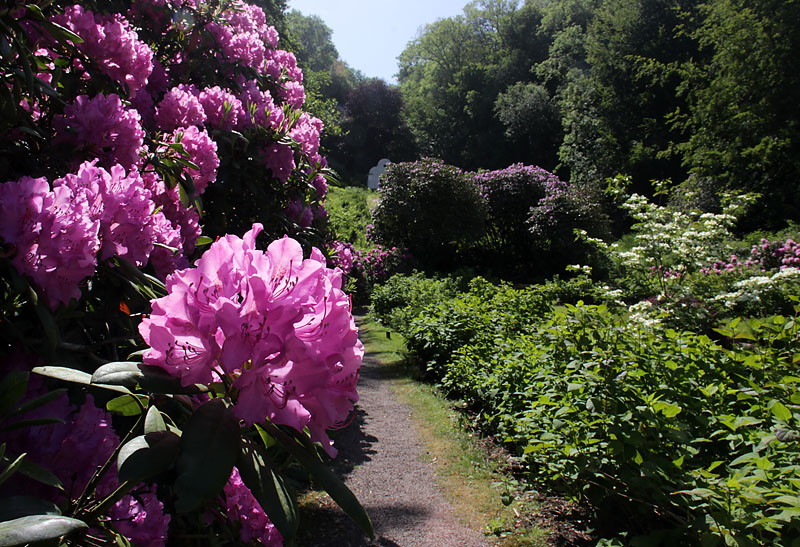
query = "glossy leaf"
{"x": 127, "y": 405}
{"x": 14, "y": 507}
{"x": 121, "y": 373}
{"x": 12, "y": 467}
{"x": 208, "y": 450}
{"x": 154, "y": 422}
{"x": 35, "y": 528}
{"x": 74, "y": 376}
{"x": 147, "y": 456}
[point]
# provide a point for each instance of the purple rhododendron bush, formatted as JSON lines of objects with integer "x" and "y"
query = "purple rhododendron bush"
{"x": 172, "y": 338}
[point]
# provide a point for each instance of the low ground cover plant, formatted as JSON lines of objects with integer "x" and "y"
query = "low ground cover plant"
{"x": 673, "y": 436}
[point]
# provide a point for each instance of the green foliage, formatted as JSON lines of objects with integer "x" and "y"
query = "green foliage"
{"x": 451, "y": 76}
{"x": 374, "y": 127}
{"x": 349, "y": 213}
{"x": 485, "y": 314}
{"x": 397, "y": 301}
{"x": 674, "y": 438}
{"x": 742, "y": 121}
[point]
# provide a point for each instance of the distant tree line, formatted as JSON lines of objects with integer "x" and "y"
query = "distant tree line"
{"x": 701, "y": 94}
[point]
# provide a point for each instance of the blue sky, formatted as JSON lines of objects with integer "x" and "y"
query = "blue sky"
{"x": 369, "y": 35}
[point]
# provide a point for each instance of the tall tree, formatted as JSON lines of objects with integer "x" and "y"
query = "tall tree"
{"x": 453, "y": 72}
{"x": 743, "y": 125}
{"x": 374, "y": 128}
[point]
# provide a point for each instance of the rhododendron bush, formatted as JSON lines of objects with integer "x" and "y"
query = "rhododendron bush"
{"x": 162, "y": 363}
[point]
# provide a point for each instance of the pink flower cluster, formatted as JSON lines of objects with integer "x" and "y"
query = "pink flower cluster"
{"x": 122, "y": 206}
{"x": 74, "y": 451}
{"x": 766, "y": 255}
{"x": 180, "y": 107}
{"x": 242, "y": 507}
{"x": 306, "y": 131}
{"x": 379, "y": 263}
{"x": 247, "y": 37}
{"x": 104, "y": 128}
{"x": 344, "y": 256}
{"x": 54, "y": 237}
{"x": 202, "y": 151}
{"x": 56, "y": 234}
{"x": 112, "y": 45}
{"x": 279, "y": 326}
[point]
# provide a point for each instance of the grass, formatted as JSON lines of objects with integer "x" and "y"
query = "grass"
{"x": 468, "y": 473}
{"x": 349, "y": 211}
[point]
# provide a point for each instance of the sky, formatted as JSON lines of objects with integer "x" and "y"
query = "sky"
{"x": 370, "y": 35}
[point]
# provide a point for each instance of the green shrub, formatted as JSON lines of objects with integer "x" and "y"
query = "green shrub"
{"x": 432, "y": 209}
{"x": 397, "y": 301}
{"x": 674, "y": 438}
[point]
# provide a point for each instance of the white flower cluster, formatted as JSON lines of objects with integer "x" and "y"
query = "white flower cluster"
{"x": 753, "y": 289}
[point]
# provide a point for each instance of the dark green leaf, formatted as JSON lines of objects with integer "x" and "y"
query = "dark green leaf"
{"x": 157, "y": 380}
{"x": 47, "y": 319}
{"x": 209, "y": 448}
{"x": 37, "y": 528}
{"x": 332, "y": 484}
{"x": 38, "y": 401}
{"x": 12, "y": 389}
{"x": 61, "y": 33}
{"x": 39, "y": 474}
{"x": 147, "y": 456}
{"x": 14, "y": 507}
{"x": 121, "y": 373}
{"x": 269, "y": 488}
{"x": 12, "y": 467}
{"x": 75, "y": 376}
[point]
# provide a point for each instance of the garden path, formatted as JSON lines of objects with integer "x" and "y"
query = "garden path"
{"x": 381, "y": 458}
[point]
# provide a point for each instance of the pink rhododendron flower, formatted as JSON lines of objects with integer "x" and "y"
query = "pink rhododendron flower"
{"x": 279, "y": 159}
{"x": 278, "y": 60}
{"x": 123, "y": 206}
{"x": 344, "y": 255}
{"x": 111, "y": 43}
{"x": 202, "y": 152}
{"x": 223, "y": 110}
{"x": 321, "y": 185}
{"x": 180, "y": 107}
{"x": 104, "y": 128}
{"x": 54, "y": 236}
{"x": 184, "y": 219}
{"x": 265, "y": 112}
{"x": 242, "y": 507}
{"x": 294, "y": 94}
{"x": 277, "y": 324}
{"x": 141, "y": 519}
{"x": 306, "y": 131}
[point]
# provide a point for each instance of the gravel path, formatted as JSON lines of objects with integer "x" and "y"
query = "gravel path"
{"x": 381, "y": 460}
